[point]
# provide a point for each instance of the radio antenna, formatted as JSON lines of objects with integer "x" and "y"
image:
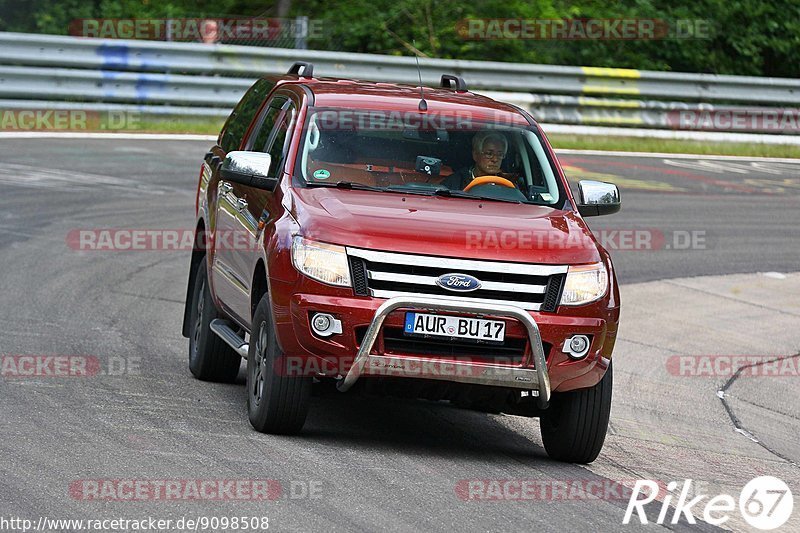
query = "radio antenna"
{"x": 423, "y": 105}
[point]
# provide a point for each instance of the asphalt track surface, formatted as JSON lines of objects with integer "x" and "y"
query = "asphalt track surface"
{"x": 370, "y": 463}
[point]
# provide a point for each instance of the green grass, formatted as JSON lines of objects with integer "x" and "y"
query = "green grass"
{"x": 672, "y": 146}
{"x": 201, "y": 126}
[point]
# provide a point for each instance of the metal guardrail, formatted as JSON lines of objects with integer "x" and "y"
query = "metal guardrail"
{"x": 149, "y": 74}
{"x": 156, "y": 56}
{"x": 116, "y": 86}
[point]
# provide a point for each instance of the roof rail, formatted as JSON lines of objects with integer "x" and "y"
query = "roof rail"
{"x": 308, "y": 69}
{"x": 454, "y": 82}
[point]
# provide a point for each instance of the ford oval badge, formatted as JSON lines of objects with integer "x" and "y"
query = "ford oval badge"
{"x": 458, "y": 282}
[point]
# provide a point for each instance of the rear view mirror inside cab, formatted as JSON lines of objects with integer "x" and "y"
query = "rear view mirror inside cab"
{"x": 428, "y": 165}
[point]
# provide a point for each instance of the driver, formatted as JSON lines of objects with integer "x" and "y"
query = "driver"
{"x": 489, "y": 148}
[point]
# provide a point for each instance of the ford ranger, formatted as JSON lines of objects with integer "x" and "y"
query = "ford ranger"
{"x": 401, "y": 240}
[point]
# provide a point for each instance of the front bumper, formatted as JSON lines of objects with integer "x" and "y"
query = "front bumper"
{"x": 333, "y": 356}
{"x": 531, "y": 374}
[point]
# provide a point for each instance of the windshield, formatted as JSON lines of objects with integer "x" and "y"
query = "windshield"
{"x": 426, "y": 154}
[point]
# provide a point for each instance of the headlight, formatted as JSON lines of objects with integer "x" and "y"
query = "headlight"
{"x": 323, "y": 262}
{"x": 585, "y": 283}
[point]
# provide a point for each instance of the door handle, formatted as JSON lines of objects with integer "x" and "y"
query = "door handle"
{"x": 225, "y": 187}
{"x": 241, "y": 205}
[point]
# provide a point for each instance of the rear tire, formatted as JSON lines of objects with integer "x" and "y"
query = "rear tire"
{"x": 210, "y": 359}
{"x": 276, "y": 403}
{"x": 574, "y": 426}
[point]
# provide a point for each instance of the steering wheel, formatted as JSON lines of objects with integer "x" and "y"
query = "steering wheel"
{"x": 483, "y": 180}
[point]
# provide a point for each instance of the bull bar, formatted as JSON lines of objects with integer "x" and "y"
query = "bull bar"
{"x": 519, "y": 376}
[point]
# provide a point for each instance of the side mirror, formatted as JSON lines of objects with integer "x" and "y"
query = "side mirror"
{"x": 249, "y": 168}
{"x": 598, "y": 198}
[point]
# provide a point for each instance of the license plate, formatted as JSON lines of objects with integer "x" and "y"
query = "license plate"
{"x": 455, "y": 327}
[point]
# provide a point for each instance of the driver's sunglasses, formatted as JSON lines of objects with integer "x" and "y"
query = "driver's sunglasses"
{"x": 489, "y": 154}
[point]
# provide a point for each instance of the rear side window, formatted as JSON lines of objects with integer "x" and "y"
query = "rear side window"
{"x": 243, "y": 114}
{"x": 281, "y": 139}
{"x": 266, "y": 122}
{"x": 270, "y": 131}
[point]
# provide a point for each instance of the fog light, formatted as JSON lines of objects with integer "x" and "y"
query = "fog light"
{"x": 577, "y": 346}
{"x": 325, "y": 325}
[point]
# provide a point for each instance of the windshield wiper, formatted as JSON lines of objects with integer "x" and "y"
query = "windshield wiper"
{"x": 405, "y": 189}
{"x": 439, "y": 192}
{"x": 363, "y": 187}
{"x": 461, "y": 194}
{"x": 346, "y": 185}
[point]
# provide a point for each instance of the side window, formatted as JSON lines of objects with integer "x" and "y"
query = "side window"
{"x": 281, "y": 139}
{"x": 236, "y": 126}
{"x": 260, "y": 134}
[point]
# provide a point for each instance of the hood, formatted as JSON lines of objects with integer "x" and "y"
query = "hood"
{"x": 451, "y": 227}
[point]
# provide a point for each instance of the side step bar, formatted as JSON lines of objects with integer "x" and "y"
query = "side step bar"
{"x": 227, "y": 334}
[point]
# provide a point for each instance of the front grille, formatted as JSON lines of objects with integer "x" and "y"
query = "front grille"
{"x": 358, "y": 271}
{"x": 389, "y": 274}
{"x": 553, "y": 294}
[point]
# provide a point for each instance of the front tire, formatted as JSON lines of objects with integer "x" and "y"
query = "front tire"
{"x": 276, "y": 402}
{"x": 210, "y": 359}
{"x": 574, "y": 426}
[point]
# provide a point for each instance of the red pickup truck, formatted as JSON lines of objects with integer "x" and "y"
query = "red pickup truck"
{"x": 401, "y": 240}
